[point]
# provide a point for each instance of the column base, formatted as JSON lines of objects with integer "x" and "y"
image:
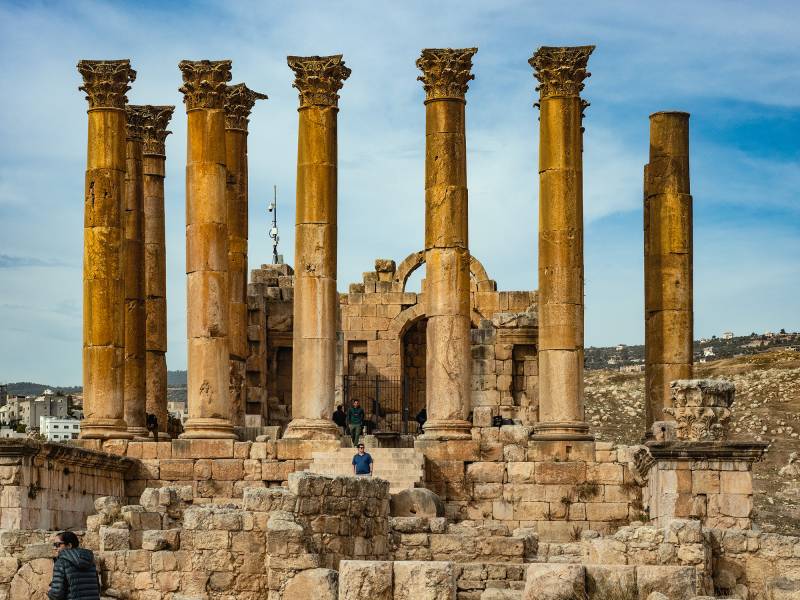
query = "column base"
{"x": 208, "y": 428}
{"x": 446, "y": 429}
{"x": 312, "y": 429}
{"x": 562, "y": 430}
{"x": 104, "y": 429}
{"x": 138, "y": 432}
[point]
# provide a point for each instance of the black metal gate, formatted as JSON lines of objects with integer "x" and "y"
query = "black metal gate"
{"x": 388, "y": 403}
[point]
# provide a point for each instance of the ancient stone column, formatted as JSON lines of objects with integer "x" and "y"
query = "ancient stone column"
{"x": 133, "y": 273}
{"x": 239, "y": 101}
{"x": 667, "y": 262}
{"x": 445, "y": 75}
{"x": 318, "y": 79}
{"x": 155, "y": 261}
{"x": 105, "y": 84}
{"x": 204, "y": 84}
{"x": 561, "y": 72}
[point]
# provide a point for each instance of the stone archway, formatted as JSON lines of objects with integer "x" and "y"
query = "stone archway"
{"x": 477, "y": 273}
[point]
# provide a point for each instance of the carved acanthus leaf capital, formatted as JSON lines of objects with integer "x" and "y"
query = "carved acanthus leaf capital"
{"x": 701, "y": 408}
{"x": 155, "y": 129}
{"x": 106, "y": 82}
{"x": 135, "y": 120}
{"x": 446, "y": 72}
{"x": 239, "y": 101}
{"x": 561, "y": 70}
{"x": 318, "y": 78}
{"x": 204, "y": 82}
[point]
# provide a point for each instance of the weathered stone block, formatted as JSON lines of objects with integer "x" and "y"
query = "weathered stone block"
{"x": 554, "y": 582}
{"x": 112, "y": 538}
{"x": 675, "y": 583}
{"x": 365, "y": 579}
{"x": 414, "y": 580}
{"x": 319, "y": 584}
{"x": 486, "y": 472}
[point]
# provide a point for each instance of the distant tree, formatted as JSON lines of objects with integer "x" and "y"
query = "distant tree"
{"x": 21, "y": 427}
{"x": 783, "y": 331}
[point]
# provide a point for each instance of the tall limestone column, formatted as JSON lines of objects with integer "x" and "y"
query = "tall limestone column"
{"x": 318, "y": 79}
{"x": 239, "y": 101}
{"x": 133, "y": 270}
{"x": 667, "y": 262}
{"x": 561, "y": 72}
{"x": 204, "y": 85}
{"x": 445, "y": 75}
{"x": 105, "y": 84}
{"x": 155, "y": 261}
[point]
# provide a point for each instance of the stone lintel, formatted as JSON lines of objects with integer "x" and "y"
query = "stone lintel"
{"x": 446, "y": 72}
{"x": 204, "y": 83}
{"x": 239, "y": 101}
{"x": 71, "y": 455}
{"x": 561, "y": 70}
{"x": 106, "y": 82}
{"x": 562, "y": 450}
{"x": 748, "y": 451}
{"x": 318, "y": 78}
{"x": 155, "y": 129}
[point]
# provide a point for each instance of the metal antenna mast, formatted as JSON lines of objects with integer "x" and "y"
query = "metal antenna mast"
{"x": 273, "y": 232}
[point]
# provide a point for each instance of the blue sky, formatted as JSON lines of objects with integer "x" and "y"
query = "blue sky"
{"x": 732, "y": 65}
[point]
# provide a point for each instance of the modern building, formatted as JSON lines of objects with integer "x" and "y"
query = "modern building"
{"x": 27, "y": 411}
{"x": 59, "y": 429}
{"x": 728, "y": 335}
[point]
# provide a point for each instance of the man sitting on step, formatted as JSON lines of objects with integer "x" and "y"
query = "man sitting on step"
{"x": 362, "y": 462}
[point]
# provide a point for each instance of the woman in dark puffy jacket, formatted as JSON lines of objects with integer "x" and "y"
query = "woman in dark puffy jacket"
{"x": 74, "y": 573}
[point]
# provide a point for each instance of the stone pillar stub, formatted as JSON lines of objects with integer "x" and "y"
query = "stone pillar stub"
{"x": 318, "y": 80}
{"x": 155, "y": 265}
{"x": 446, "y": 74}
{"x": 561, "y": 72}
{"x": 239, "y": 101}
{"x": 204, "y": 88}
{"x": 668, "y": 258}
{"x": 106, "y": 83}
{"x": 134, "y": 274}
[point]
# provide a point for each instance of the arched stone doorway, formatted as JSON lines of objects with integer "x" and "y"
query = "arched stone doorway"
{"x": 413, "y": 355}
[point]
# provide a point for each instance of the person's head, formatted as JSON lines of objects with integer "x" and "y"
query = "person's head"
{"x": 356, "y": 403}
{"x": 64, "y": 540}
{"x": 340, "y": 408}
{"x": 361, "y": 448}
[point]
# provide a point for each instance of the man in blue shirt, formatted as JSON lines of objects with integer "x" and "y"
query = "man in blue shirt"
{"x": 362, "y": 462}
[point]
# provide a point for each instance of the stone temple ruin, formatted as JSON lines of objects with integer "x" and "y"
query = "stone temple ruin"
{"x": 505, "y": 494}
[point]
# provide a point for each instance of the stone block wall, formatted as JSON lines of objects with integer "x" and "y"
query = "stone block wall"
{"x": 502, "y": 475}
{"x": 53, "y": 486}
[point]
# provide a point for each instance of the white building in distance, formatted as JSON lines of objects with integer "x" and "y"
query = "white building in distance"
{"x": 59, "y": 429}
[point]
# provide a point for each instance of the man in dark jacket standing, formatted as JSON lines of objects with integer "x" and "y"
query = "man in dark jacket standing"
{"x": 74, "y": 573}
{"x": 355, "y": 420}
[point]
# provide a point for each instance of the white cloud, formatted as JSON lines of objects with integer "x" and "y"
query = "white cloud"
{"x": 646, "y": 56}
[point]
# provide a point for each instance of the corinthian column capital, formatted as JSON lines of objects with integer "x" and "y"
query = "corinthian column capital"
{"x": 204, "y": 82}
{"x": 155, "y": 129}
{"x": 239, "y": 101}
{"x": 318, "y": 78}
{"x": 136, "y": 118}
{"x": 446, "y": 72}
{"x": 106, "y": 82}
{"x": 561, "y": 70}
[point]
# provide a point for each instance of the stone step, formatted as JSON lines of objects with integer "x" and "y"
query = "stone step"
{"x": 403, "y": 468}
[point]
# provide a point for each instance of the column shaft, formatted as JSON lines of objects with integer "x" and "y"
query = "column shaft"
{"x": 447, "y": 296}
{"x": 155, "y": 255}
{"x": 239, "y": 101}
{"x": 560, "y": 298}
{"x": 316, "y": 301}
{"x": 133, "y": 261}
{"x": 667, "y": 262}
{"x": 105, "y": 84}
{"x": 207, "y": 250}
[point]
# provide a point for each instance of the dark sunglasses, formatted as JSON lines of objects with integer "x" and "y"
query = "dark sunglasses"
{"x": 58, "y": 544}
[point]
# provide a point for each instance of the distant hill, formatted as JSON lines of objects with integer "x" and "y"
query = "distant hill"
{"x": 614, "y": 357}
{"x": 28, "y": 388}
{"x": 176, "y": 378}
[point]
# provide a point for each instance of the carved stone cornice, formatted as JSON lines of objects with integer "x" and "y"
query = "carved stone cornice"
{"x": 135, "y": 120}
{"x": 318, "y": 78}
{"x": 446, "y": 72}
{"x": 155, "y": 129}
{"x": 204, "y": 83}
{"x": 701, "y": 408}
{"x": 106, "y": 82}
{"x": 239, "y": 101}
{"x": 561, "y": 70}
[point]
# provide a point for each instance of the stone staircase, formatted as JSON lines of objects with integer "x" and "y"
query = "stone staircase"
{"x": 403, "y": 468}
